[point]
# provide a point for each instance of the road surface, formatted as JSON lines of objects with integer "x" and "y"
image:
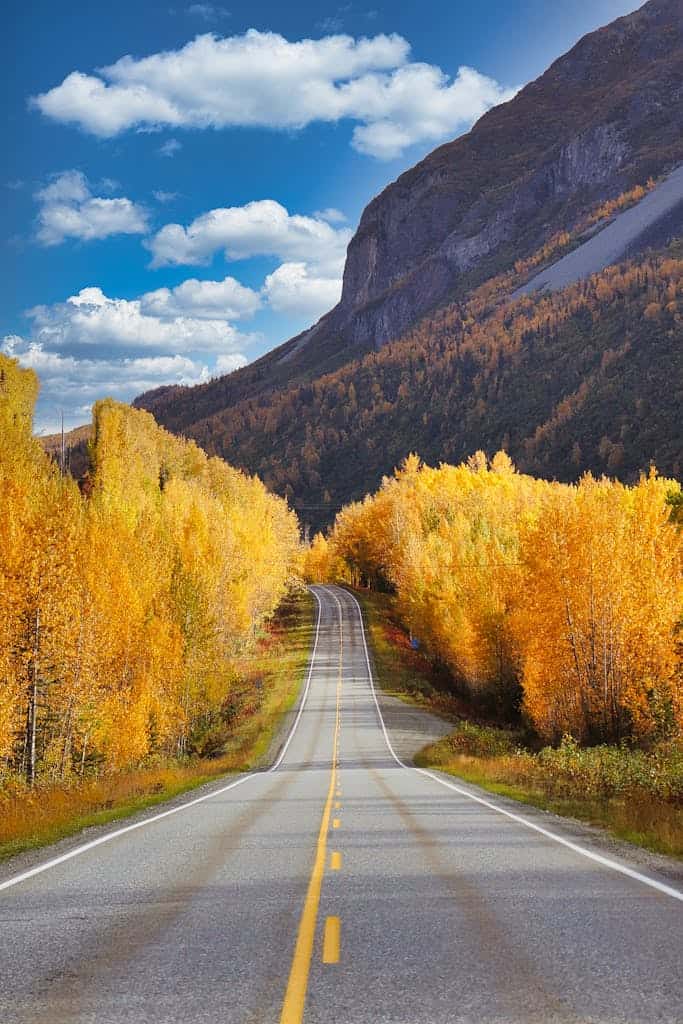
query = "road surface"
{"x": 339, "y": 886}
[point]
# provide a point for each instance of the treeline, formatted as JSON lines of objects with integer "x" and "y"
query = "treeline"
{"x": 562, "y": 601}
{"x": 123, "y": 604}
{"x": 579, "y": 380}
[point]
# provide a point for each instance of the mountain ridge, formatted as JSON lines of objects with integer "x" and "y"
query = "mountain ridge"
{"x": 602, "y": 121}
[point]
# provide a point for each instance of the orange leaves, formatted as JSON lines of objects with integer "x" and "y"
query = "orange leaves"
{"x": 598, "y": 614}
{"x": 565, "y": 596}
{"x": 122, "y": 612}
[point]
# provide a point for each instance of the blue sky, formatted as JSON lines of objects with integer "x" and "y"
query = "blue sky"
{"x": 181, "y": 179}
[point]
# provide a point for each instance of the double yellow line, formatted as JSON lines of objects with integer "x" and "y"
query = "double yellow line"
{"x": 297, "y": 985}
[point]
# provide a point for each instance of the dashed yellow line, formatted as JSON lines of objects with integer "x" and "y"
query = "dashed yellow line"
{"x": 297, "y": 985}
{"x": 336, "y": 861}
{"x": 332, "y": 940}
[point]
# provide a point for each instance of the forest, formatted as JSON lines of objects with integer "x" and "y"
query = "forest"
{"x": 559, "y": 604}
{"x": 125, "y": 603}
{"x": 574, "y": 381}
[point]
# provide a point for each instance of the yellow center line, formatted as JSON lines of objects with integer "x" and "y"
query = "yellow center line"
{"x": 337, "y": 805}
{"x": 332, "y": 940}
{"x": 336, "y": 861}
{"x": 297, "y": 985}
{"x": 335, "y": 823}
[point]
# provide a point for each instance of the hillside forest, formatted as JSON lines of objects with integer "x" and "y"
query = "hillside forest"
{"x": 125, "y": 604}
{"x": 579, "y": 380}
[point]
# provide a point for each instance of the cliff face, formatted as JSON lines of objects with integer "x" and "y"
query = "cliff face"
{"x": 603, "y": 117}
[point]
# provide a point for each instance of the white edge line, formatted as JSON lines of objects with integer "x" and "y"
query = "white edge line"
{"x": 307, "y": 687}
{"x": 607, "y": 862}
{"x": 16, "y": 879}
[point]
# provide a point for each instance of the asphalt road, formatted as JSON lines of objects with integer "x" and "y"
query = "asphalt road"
{"x": 339, "y": 886}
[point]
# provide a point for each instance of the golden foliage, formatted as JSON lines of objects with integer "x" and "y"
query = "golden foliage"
{"x": 564, "y": 597}
{"x": 123, "y": 609}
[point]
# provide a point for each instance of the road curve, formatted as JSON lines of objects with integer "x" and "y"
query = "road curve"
{"x": 339, "y": 886}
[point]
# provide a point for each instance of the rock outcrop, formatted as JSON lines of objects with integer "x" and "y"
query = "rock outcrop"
{"x": 602, "y": 118}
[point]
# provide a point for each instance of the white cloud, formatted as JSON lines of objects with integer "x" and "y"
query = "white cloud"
{"x": 262, "y": 227}
{"x": 208, "y": 300}
{"x": 170, "y": 147}
{"x": 418, "y": 102}
{"x": 331, "y": 215}
{"x": 92, "y": 345}
{"x": 91, "y": 318}
{"x": 72, "y": 384}
{"x": 208, "y": 12}
{"x": 262, "y": 79}
{"x": 293, "y": 290}
{"x": 228, "y": 363}
{"x": 162, "y": 196}
{"x": 68, "y": 209}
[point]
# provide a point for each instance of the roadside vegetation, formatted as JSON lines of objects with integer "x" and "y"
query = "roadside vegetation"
{"x": 548, "y": 624}
{"x": 270, "y": 680}
{"x": 134, "y": 616}
{"x": 637, "y": 795}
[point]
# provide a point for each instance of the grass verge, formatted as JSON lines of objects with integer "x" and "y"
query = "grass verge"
{"x": 632, "y": 813}
{"x": 34, "y": 818}
{"x": 400, "y": 670}
{"x": 633, "y": 796}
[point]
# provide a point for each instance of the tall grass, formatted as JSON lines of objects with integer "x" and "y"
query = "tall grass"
{"x": 271, "y": 675}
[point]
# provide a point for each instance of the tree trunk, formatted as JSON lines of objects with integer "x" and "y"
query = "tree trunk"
{"x": 32, "y": 723}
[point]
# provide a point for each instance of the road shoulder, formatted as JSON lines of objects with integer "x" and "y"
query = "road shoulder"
{"x": 412, "y": 728}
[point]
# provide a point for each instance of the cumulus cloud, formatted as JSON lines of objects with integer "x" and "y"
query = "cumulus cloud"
{"x": 262, "y": 79}
{"x": 91, "y": 318}
{"x": 229, "y": 362}
{"x": 207, "y": 300}
{"x": 71, "y": 385}
{"x": 68, "y": 209}
{"x": 294, "y": 290}
{"x": 91, "y": 378}
{"x": 418, "y": 102}
{"x": 262, "y": 227}
{"x": 92, "y": 345}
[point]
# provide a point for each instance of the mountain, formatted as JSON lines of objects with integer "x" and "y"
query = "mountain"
{"x": 581, "y": 166}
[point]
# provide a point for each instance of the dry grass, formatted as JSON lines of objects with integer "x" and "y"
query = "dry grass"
{"x": 634, "y": 815}
{"x": 31, "y": 818}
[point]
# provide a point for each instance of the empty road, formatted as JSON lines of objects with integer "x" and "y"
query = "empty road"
{"x": 339, "y": 886}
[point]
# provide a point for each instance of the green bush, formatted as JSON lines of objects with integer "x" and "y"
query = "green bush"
{"x": 482, "y": 741}
{"x": 608, "y": 771}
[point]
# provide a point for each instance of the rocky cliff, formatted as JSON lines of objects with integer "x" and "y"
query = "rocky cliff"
{"x": 605, "y": 116}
